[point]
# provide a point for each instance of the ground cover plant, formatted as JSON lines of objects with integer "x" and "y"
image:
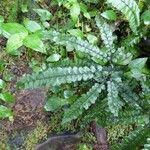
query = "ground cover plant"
{"x": 92, "y": 57}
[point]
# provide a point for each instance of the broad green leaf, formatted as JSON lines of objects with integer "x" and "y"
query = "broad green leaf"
{"x": 44, "y": 14}
{"x": 83, "y": 8}
{"x": 10, "y": 29}
{"x": 55, "y": 103}
{"x": 109, "y": 14}
{"x": 138, "y": 63}
{"x": 32, "y": 26}
{"x": 76, "y": 32}
{"x": 53, "y": 58}
{"x": 75, "y": 11}
{"x": 13, "y": 43}
{"x": 92, "y": 39}
{"x": 146, "y": 17}
{"x": 35, "y": 43}
{"x": 87, "y": 15}
{"x": 7, "y": 97}
{"x": 5, "y": 112}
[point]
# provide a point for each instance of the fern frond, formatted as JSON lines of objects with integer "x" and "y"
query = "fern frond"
{"x": 121, "y": 57}
{"x": 130, "y": 9}
{"x": 58, "y": 76}
{"x": 77, "y": 44}
{"x": 105, "y": 118}
{"x": 134, "y": 139}
{"x": 97, "y": 113}
{"x": 132, "y": 98}
{"x": 114, "y": 101}
{"x": 106, "y": 34}
{"x": 83, "y": 103}
{"x": 145, "y": 84}
{"x": 132, "y": 40}
{"x": 126, "y": 118}
{"x": 71, "y": 63}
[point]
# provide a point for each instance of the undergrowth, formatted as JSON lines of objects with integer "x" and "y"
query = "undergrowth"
{"x": 94, "y": 67}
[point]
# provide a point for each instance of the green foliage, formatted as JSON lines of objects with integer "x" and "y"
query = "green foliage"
{"x": 146, "y": 17}
{"x": 109, "y": 14}
{"x": 31, "y": 26}
{"x": 74, "y": 43}
{"x": 44, "y": 14}
{"x": 106, "y": 34}
{"x": 135, "y": 138}
{"x": 131, "y": 11}
{"x": 5, "y": 112}
{"x": 84, "y": 102}
{"x": 53, "y": 58}
{"x": 110, "y": 79}
{"x": 54, "y": 103}
{"x": 58, "y": 76}
{"x": 147, "y": 146}
{"x": 7, "y": 98}
{"x": 18, "y": 35}
{"x": 34, "y": 42}
{"x": 114, "y": 101}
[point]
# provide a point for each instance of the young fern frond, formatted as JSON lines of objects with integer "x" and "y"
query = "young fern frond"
{"x": 130, "y": 9}
{"x": 83, "y": 103}
{"x": 77, "y": 44}
{"x": 121, "y": 57}
{"x": 114, "y": 101}
{"x": 106, "y": 34}
{"x": 134, "y": 139}
{"x": 118, "y": 56}
{"x": 58, "y": 76}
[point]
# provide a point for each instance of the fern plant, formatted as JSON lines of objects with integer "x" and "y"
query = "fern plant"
{"x": 119, "y": 92}
{"x": 108, "y": 72}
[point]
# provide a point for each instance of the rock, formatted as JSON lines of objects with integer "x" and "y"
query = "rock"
{"x": 60, "y": 142}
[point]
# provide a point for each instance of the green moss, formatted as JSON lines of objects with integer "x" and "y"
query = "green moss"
{"x": 38, "y": 134}
{"x": 116, "y": 133}
{"x": 56, "y": 126}
{"x": 88, "y": 137}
